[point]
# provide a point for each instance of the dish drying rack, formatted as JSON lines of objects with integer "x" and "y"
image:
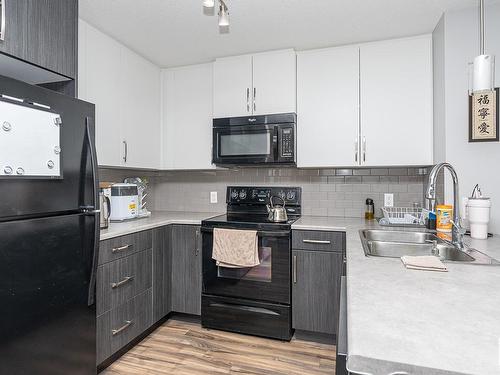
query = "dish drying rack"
{"x": 404, "y": 216}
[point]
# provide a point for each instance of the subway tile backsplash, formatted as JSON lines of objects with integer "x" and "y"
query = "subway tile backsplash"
{"x": 326, "y": 192}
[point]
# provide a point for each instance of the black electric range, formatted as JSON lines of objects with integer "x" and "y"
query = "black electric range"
{"x": 255, "y": 300}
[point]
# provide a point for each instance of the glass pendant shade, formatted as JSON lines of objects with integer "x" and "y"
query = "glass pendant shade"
{"x": 223, "y": 17}
{"x": 208, "y": 3}
{"x": 483, "y": 73}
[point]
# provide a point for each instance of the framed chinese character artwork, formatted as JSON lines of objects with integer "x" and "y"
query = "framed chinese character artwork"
{"x": 483, "y": 116}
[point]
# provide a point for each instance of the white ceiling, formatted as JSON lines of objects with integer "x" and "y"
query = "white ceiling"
{"x": 177, "y": 32}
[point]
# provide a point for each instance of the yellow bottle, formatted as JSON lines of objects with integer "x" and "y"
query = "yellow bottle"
{"x": 444, "y": 214}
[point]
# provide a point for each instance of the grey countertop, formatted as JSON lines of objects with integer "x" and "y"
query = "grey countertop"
{"x": 400, "y": 321}
{"x": 418, "y": 322}
{"x": 157, "y": 219}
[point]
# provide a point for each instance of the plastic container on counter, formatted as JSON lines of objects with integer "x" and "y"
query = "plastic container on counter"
{"x": 444, "y": 217}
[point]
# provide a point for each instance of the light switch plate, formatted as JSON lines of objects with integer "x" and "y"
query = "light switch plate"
{"x": 213, "y": 197}
{"x": 388, "y": 200}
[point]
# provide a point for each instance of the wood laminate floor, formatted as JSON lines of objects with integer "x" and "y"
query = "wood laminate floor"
{"x": 184, "y": 348}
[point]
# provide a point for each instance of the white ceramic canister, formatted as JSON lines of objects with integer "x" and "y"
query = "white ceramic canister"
{"x": 478, "y": 213}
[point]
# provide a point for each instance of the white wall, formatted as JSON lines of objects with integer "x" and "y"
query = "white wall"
{"x": 475, "y": 162}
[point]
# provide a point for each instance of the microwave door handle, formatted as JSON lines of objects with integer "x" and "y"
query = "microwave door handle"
{"x": 274, "y": 137}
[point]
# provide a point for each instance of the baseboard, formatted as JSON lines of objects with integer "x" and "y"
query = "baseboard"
{"x": 322, "y": 338}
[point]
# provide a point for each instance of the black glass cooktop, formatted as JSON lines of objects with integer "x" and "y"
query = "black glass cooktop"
{"x": 247, "y": 221}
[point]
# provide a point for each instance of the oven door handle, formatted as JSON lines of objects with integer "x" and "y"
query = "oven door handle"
{"x": 260, "y": 233}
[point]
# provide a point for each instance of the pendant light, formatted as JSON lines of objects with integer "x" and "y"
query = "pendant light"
{"x": 208, "y": 3}
{"x": 483, "y": 70}
{"x": 223, "y": 14}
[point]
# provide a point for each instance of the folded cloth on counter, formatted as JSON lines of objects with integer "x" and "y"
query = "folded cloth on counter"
{"x": 424, "y": 263}
{"x": 234, "y": 248}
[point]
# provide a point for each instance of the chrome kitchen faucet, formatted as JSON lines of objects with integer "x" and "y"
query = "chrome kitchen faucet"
{"x": 457, "y": 232}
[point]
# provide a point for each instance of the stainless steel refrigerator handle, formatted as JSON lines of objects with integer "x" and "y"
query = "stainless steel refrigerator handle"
{"x": 127, "y": 324}
{"x": 294, "y": 276}
{"x": 95, "y": 212}
{"x": 2, "y": 26}
{"x": 126, "y": 280}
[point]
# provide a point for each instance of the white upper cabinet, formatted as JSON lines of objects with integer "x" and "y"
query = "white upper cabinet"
{"x": 125, "y": 89}
{"x": 396, "y": 102}
{"x": 263, "y": 83}
{"x": 187, "y": 101}
{"x": 274, "y": 82}
{"x": 98, "y": 80}
{"x": 140, "y": 111}
{"x": 232, "y": 87}
{"x": 327, "y": 107}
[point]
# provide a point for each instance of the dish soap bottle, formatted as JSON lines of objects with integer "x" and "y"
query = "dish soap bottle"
{"x": 370, "y": 209}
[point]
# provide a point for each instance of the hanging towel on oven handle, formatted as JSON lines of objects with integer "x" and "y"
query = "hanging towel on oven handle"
{"x": 235, "y": 248}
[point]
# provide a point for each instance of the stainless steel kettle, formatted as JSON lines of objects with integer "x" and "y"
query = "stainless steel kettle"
{"x": 105, "y": 206}
{"x": 277, "y": 213}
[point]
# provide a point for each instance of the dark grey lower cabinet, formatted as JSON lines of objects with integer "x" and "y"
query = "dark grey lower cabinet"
{"x": 117, "y": 327}
{"x": 162, "y": 269}
{"x": 186, "y": 269}
{"x": 316, "y": 290}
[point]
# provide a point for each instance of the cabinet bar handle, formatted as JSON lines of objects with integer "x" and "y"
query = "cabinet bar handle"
{"x": 356, "y": 150}
{"x": 197, "y": 248}
{"x": 321, "y": 242}
{"x": 120, "y": 283}
{"x": 294, "y": 273}
{"x": 364, "y": 149}
{"x": 248, "y": 99}
{"x": 2, "y": 20}
{"x": 121, "y": 248}
{"x": 127, "y": 324}
{"x": 254, "y": 99}
{"x": 125, "y": 151}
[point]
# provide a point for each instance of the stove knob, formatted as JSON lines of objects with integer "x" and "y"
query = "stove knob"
{"x": 243, "y": 194}
{"x": 281, "y": 194}
{"x": 290, "y": 195}
{"x": 234, "y": 194}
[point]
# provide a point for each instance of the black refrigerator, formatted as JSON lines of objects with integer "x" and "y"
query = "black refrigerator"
{"x": 49, "y": 232}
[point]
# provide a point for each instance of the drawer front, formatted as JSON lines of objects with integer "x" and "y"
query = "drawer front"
{"x": 119, "y": 281}
{"x": 118, "y": 327}
{"x": 119, "y": 247}
{"x": 318, "y": 240}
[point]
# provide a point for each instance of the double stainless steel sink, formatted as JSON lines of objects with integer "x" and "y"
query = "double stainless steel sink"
{"x": 397, "y": 243}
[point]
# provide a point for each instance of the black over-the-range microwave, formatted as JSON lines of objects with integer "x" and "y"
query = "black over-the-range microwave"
{"x": 255, "y": 140}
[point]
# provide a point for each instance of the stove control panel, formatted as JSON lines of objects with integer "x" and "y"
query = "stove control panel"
{"x": 261, "y": 195}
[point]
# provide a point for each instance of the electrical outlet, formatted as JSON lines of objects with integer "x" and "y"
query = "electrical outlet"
{"x": 213, "y": 197}
{"x": 388, "y": 200}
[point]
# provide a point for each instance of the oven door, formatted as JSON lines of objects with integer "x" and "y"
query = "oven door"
{"x": 269, "y": 281}
{"x": 239, "y": 145}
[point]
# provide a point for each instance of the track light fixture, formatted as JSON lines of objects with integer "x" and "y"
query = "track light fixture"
{"x": 223, "y": 11}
